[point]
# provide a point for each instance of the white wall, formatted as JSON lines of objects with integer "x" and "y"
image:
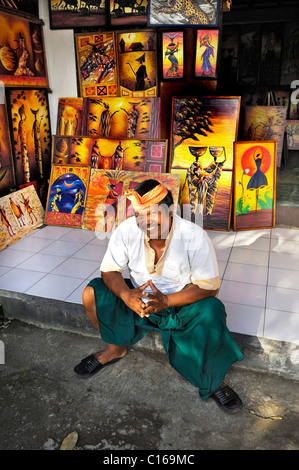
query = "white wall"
{"x": 61, "y": 62}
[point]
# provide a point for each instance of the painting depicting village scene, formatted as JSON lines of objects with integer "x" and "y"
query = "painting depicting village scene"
{"x": 128, "y": 12}
{"x": 203, "y": 132}
{"x": 65, "y": 14}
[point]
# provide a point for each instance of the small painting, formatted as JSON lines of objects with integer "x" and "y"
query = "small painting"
{"x": 21, "y": 212}
{"x": 111, "y": 154}
{"x": 266, "y": 123}
{"x": 22, "y": 53}
{"x": 206, "y": 53}
{"x": 66, "y": 195}
{"x": 137, "y": 63}
{"x": 292, "y": 131}
{"x": 254, "y": 185}
{"x": 128, "y": 13}
{"x": 70, "y": 116}
{"x": 68, "y": 14}
{"x": 183, "y": 13}
{"x": 106, "y": 205}
{"x": 173, "y": 51}
{"x": 96, "y": 64}
{"x": 7, "y": 171}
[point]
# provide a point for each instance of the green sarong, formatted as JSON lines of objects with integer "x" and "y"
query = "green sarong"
{"x": 195, "y": 337}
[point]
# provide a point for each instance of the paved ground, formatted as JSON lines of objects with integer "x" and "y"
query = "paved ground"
{"x": 140, "y": 403}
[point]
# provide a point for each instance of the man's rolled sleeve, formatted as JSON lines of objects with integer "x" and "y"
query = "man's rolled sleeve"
{"x": 204, "y": 266}
{"x": 116, "y": 256}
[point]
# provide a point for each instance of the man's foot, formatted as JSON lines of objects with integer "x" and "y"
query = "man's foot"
{"x": 227, "y": 399}
{"x": 95, "y": 362}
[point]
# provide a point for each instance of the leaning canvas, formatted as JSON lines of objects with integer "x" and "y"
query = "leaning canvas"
{"x": 254, "y": 185}
{"x": 292, "y": 131}
{"x": 21, "y": 212}
{"x": 106, "y": 205}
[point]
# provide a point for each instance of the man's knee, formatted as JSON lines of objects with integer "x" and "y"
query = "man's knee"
{"x": 88, "y": 297}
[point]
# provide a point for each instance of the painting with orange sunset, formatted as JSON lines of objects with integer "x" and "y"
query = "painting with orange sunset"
{"x": 206, "y": 53}
{"x": 173, "y": 54}
{"x": 203, "y": 132}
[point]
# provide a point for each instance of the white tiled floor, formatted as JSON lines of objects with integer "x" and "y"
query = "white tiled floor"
{"x": 259, "y": 272}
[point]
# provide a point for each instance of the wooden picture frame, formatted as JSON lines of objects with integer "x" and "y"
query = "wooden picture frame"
{"x": 70, "y": 14}
{"x": 22, "y": 54}
{"x": 165, "y": 13}
{"x": 254, "y": 202}
{"x": 203, "y": 130}
{"x": 206, "y": 58}
{"x": 67, "y": 195}
{"x": 7, "y": 170}
{"x": 173, "y": 55}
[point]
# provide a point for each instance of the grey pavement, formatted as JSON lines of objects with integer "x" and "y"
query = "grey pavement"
{"x": 139, "y": 403}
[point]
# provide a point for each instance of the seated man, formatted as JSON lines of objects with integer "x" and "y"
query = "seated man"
{"x": 172, "y": 288}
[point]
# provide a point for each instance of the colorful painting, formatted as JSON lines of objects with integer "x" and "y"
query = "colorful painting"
{"x": 290, "y": 54}
{"x": 22, "y": 53}
{"x": 137, "y": 63}
{"x": 183, "y": 13}
{"x": 106, "y": 205}
{"x": 203, "y": 131}
{"x": 71, "y": 119}
{"x": 111, "y": 154}
{"x": 68, "y": 14}
{"x": 29, "y": 114}
{"x": 266, "y": 123}
{"x": 128, "y": 13}
{"x": 292, "y": 131}
{"x": 7, "y": 172}
{"x": 21, "y": 212}
{"x": 206, "y": 53}
{"x": 254, "y": 185}
{"x": 96, "y": 64}
{"x": 173, "y": 55}
{"x": 66, "y": 195}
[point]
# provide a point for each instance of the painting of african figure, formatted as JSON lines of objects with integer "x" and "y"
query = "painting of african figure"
{"x": 22, "y": 53}
{"x": 266, "y": 123}
{"x": 7, "y": 172}
{"x": 292, "y": 131}
{"x": 173, "y": 53}
{"x": 183, "y": 13}
{"x": 254, "y": 185}
{"x": 66, "y": 195}
{"x": 21, "y": 212}
{"x": 206, "y": 53}
{"x": 106, "y": 205}
{"x": 111, "y": 154}
{"x": 203, "y": 131}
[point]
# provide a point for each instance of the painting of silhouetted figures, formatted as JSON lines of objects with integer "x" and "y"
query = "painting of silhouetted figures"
{"x": 128, "y": 12}
{"x": 7, "y": 172}
{"x": 266, "y": 123}
{"x": 292, "y": 131}
{"x": 66, "y": 195}
{"x": 21, "y": 212}
{"x": 203, "y": 131}
{"x": 270, "y": 54}
{"x": 137, "y": 63}
{"x": 203, "y": 13}
{"x": 68, "y": 14}
{"x": 111, "y": 154}
{"x": 254, "y": 185}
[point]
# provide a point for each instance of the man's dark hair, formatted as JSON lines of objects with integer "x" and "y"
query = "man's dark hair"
{"x": 147, "y": 185}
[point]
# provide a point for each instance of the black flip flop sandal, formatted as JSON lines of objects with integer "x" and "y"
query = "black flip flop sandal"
{"x": 227, "y": 399}
{"x": 90, "y": 366}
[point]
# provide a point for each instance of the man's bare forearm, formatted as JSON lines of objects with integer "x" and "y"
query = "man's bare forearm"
{"x": 116, "y": 283}
{"x": 189, "y": 295}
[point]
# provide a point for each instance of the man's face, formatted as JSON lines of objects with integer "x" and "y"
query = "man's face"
{"x": 155, "y": 221}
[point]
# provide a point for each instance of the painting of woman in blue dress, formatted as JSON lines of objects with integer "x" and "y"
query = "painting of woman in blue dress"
{"x": 206, "y": 55}
{"x": 258, "y": 180}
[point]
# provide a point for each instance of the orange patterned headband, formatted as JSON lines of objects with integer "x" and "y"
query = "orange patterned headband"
{"x": 153, "y": 196}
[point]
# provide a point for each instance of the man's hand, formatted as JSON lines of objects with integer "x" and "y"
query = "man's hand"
{"x": 157, "y": 302}
{"x": 133, "y": 299}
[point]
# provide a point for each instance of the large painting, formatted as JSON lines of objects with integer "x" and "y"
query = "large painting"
{"x": 137, "y": 63}
{"x": 266, "y": 123}
{"x": 292, "y": 131}
{"x": 66, "y": 195}
{"x": 65, "y": 14}
{"x": 290, "y": 54}
{"x": 96, "y": 64}
{"x": 203, "y": 131}
{"x": 22, "y": 53}
{"x": 111, "y": 154}
{"x": 7, "y": 172}
{"x": 206, "y": 53}
{"x": 128, "y": 13}
{"x": 106, "y": 205}
{"x": 270, "y": 54}
{"x": 249, "y": 55}
{"x": 183, "y": 13}
{"x": 254, "y": 185}
{"x": 21, "y": 212}
{"x": 29, "y": 114}
{"x": 173, "y": 55}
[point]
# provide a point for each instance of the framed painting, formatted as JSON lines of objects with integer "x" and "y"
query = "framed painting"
{"x": 68, "y": 14}
{"x": 29, "y": 114}
{"x": 270, "y": 54}
{"x": 96, "y": 64}
{"x": 106, "y": 205}
{"x": 22, "y": 52}
{"x": 249, "y": 55}
{"x": 203, "y": 131}
{"x": 21, "y": 212}
{"x": 137, "y": 63}
{"x": 111, "y": 154}
{"x": 290, "y": 57}
{"x": 254, "y": 185}
{"x": 71, "y": 116}
{"x": 173, "y": 55}
{"x": 229, "y": 48}
{"x": 266, "y": 123}
{"x": 206, "y": 53}
{"x": 67, "y": 195}
{"x": 181, "y": 14}
{"x": 7, "y": 171}
{"x": 292, "y": 131}
{"x": 128, "y": 14}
